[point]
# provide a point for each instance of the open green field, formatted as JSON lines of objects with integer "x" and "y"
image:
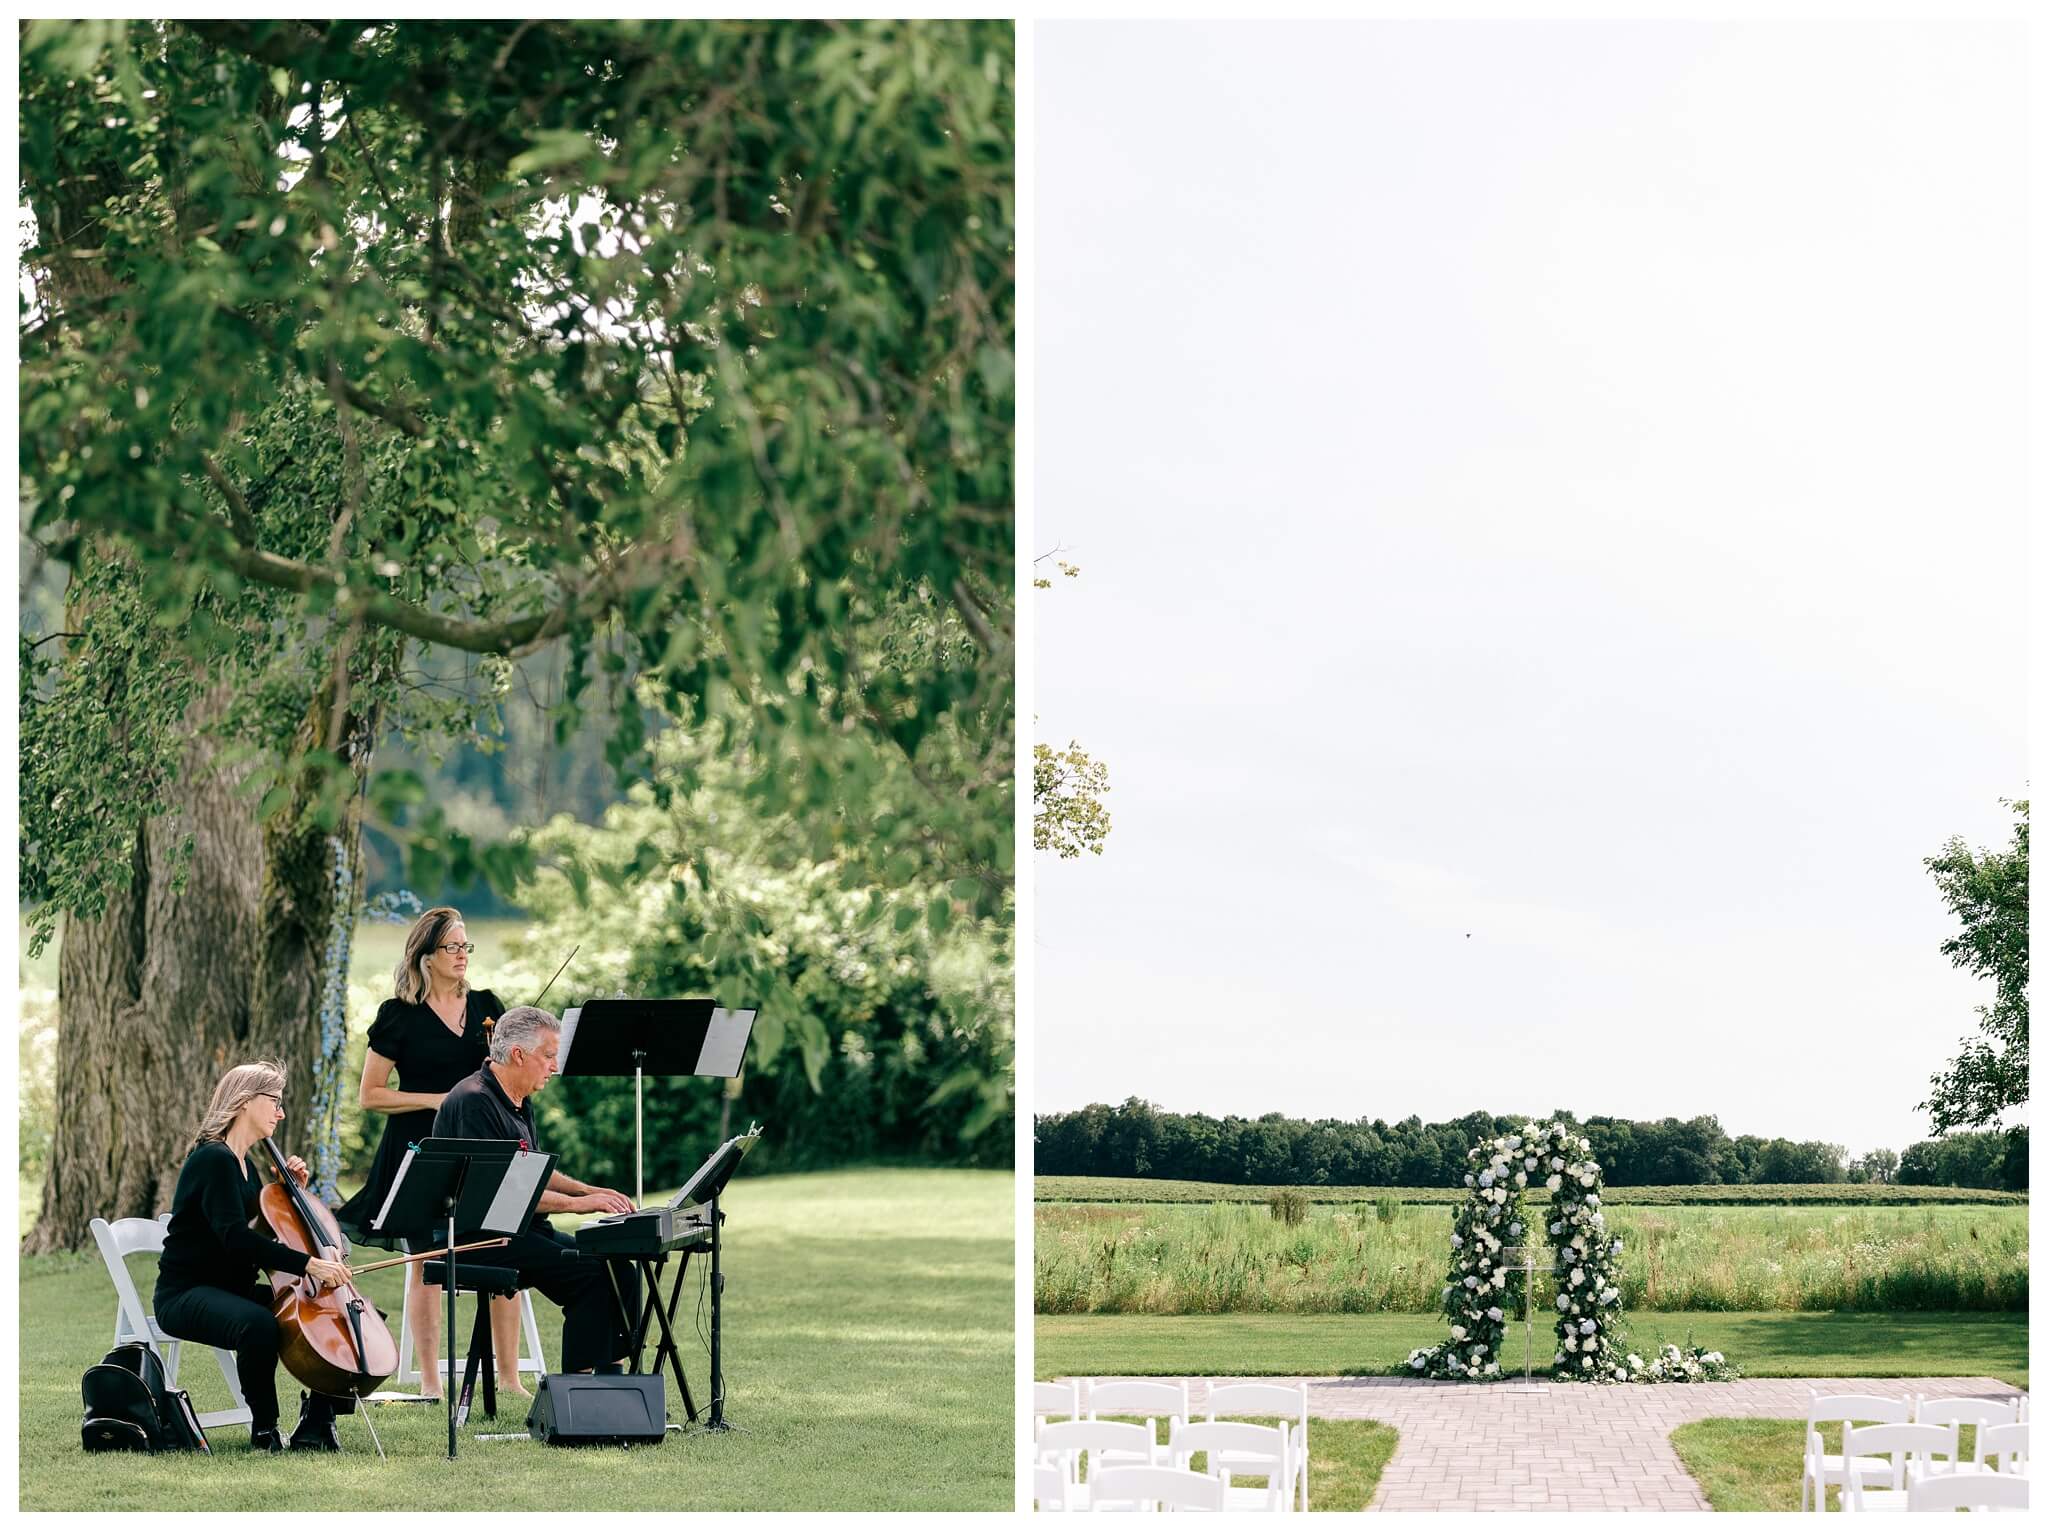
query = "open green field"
{"x": 1237, "y": 1258}
{"x": 1054, "y": 1188}
{"x": 869, "y": 1363}
{"x": 1377, "y": 1344}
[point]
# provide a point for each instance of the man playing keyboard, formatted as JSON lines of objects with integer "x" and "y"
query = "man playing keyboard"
{"x": 497, "y": 1102}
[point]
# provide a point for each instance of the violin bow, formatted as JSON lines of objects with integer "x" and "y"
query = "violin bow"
{"x": 560, "y": 970}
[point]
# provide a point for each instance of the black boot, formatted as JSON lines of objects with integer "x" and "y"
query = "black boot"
{"x": 264, "y": 1438}
{"x": 315, "y": 1430}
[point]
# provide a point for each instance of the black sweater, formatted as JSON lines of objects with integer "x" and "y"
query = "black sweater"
{"x": 210, "y": 1242}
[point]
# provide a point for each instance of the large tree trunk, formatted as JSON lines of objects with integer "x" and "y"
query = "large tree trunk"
{"x": 153, "y": 1004}
{"x": 311, "y": 890}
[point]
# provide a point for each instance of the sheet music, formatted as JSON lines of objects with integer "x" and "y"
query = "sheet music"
{"x": 523, "y": 1176}
{"x": 725, "y": 1042}
{"x": 411, "y": 1152}
{"x": 569, "y": 1018}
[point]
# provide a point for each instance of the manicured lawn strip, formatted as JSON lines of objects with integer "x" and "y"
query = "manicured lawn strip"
{"x": 1345, "y": 1460}
{"x": 869, "y": 1353}
{"x": 1093, "y": 1188}
{"x": 1756, "y": 1464}
{"x": 1377, "y": 1344}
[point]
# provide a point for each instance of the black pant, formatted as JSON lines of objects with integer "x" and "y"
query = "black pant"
{"x": 592, "y": 1332}
{"x": 211, "y": 1315}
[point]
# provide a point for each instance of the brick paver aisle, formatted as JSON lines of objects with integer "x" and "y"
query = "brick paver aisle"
{"x": 1484, "y": 1446}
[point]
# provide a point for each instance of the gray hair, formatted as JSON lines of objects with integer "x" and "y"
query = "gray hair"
{"x": 238, "y": 1086}
{"x": 520, "y": 1026}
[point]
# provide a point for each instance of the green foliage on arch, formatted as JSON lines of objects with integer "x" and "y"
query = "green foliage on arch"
{"x": 1485, "y": 1287}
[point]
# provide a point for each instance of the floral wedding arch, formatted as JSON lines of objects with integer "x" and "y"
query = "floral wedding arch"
{"x": 1486, "y": 1285}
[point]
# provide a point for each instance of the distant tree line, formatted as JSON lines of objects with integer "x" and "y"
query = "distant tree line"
{"x": 1138, "y": 1139}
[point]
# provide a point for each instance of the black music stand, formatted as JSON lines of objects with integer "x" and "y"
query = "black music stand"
{"x": 449, "y": 1182}
{"x": 705, "y": 1187}
{"x": 614, "y": 1038}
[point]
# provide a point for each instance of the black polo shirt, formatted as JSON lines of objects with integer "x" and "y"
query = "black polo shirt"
{"x": 478, "y": 1107}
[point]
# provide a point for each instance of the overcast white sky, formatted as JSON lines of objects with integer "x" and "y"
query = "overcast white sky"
{"x": 1561, "y": 483}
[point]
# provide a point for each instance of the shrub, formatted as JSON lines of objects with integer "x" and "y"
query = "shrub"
{"x": 1288, "y": 1204}
{"x": 1387, "y": 1208}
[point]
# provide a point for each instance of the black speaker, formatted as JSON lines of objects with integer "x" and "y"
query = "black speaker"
{"x": 573, "y": 1409}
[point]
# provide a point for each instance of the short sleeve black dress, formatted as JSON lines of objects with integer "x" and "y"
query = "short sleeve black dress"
{"x": 430, "y": 1060}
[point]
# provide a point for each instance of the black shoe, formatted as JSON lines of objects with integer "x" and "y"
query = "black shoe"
{"x": 265, "y": 1440}
{"x": 315, "y": 1430}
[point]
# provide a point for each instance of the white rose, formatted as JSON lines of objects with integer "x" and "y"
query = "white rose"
{"x": 1470, "y": 1282}
{"x": 1494, "y": 1314}
{"x": 1635, "y": 1361}
{"x": 1471, "y": 1371}
{"x": 1593, "y": 1200}
{"x": 1515, "y": 1229}
{"x": 1486, "y": 1177}
{"x": 1553, "y": 1183}
{"x": 1556, "y": 1164}
{"x": 1563, "y": 1302}
{"x": 1456, "y": 1242}
{"x": 1588, "y": 1327}
{"x": 1457, "y": 1331}
{"x": 1586, "y": 1363}
{"x": 1500, "y": 1276}
{"x": 1521, "y": 1179}
{"x": 1571, "y": 1343}
{"x": 1715, "y": 1357}
{"x": 1418, "y": 1361}
{"x": 1468, "y": 1180}
{"x": 1528, "y": 1164}
{"x": 1492, "y": 1368}
{"x": 1558, "y": 1359}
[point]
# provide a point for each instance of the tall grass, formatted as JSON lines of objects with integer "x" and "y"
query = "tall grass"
{"x": 1233, "y": 1258}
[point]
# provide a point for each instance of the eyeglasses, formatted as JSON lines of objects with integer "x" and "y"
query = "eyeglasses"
{"x": 271, "y": 1095}
{"x": 465, "y": 947}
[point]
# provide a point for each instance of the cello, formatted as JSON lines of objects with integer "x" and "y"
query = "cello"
{"x": 333, "y": 1341}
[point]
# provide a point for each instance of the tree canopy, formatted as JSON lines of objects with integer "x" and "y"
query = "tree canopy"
{"x": 685, "y": 344}
{"x": 1987, "y": 891}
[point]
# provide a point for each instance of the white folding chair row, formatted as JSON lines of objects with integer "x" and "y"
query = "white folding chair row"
{"x": 1968, "y": 1491}
{"x": 1287, "y": 1406}
{"x": 1053, "y": 1400}
{"x": 1910, "y": 1453}
{"x": 1988, "y": 1416}
{"x": 1233, "y": 1449}
{"x": 1081, "y": 1450}
{"x": 1159, "y": 1488}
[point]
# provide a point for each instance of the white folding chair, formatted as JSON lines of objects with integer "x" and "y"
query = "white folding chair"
{"x": 1048, "y": 1487}
{"x": 1912, "y": 1453}
{"x": 1154, "y": 1400}
{"x": 1978, "y": 1412}
{"x": 1823, "y": 1468}
{"x": 1235, "y": 1449}
{"x": 145, "y": 1236}
{"x": 1064, "y": 1443}
{"x": 1969, "y": 1491}
{"x": 1165, "y": 1488}
{"x": 1053, "y": 1400}
{"x": 2008, "y": 1443}
{"x": 531, "y": 1358}
{"x": 1268, "y": 1400}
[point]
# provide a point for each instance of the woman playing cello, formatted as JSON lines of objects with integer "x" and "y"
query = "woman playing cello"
{"x": 208, "y": 1287}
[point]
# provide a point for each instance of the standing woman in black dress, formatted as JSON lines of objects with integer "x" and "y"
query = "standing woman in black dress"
{"x": 207, "y": 1280}
{"x": 434, "y": 1031}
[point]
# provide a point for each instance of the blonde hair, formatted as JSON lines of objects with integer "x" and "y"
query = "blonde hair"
{"x": 238, "y": 1086}
{"x": 409, "y": 978}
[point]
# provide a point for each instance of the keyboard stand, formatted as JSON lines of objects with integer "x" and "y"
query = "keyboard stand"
{"x": 652, "y": 1308}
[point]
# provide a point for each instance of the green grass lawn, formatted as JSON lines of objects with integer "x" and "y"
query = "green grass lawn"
{"x": 1377, "y": 1344}
{"x": 869, "y": 1362}
{"x": 1756, "y": 1464}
